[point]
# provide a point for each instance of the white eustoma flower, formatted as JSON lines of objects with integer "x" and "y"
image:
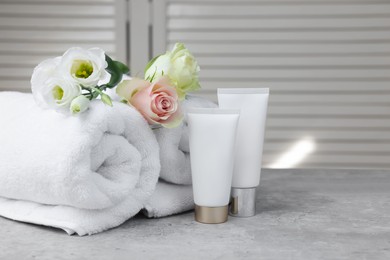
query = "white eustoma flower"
{"x": 42, "y": 72}
{"x": 84, "y": 67}
{"x": 49, "y": 89}
{"x": 58, "y": 93}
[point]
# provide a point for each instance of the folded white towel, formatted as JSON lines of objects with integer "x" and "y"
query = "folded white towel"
{"x": 83, "y": 174}
{"x": 174, "y": 146}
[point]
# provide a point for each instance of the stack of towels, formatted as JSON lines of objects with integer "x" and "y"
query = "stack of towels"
{"x": 91, "y": 172}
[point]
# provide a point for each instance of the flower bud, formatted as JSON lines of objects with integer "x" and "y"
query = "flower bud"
{"x": 79, "y": 104}
{"x": 106, "y": 99}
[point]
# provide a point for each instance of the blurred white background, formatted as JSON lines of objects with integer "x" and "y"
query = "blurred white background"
{"x": 326, "y": 62}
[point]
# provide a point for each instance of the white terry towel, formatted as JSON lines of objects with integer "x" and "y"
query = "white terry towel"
{"x": 169, "y": 199}
{"x": 83, "y": 174}
{"x": 174, "y": 146}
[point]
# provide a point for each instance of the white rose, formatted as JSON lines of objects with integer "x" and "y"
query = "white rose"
{"x": 180, "y": 66}
{"x": 84, "y": 67}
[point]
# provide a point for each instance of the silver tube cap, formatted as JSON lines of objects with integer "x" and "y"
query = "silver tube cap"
{"x": 243, "y": 202}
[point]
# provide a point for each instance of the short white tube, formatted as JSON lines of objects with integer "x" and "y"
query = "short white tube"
{"x": 212, "y": 134}
{"x": 253, "y": 105}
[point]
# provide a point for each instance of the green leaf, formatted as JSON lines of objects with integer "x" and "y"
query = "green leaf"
{"x": 150, "y": 63}
{"x": 106, "y": 99}
{"x": 115, "y": 71}
{"x": 122, "y": 67}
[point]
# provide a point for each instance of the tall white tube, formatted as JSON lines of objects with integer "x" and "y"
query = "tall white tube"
{"x": 212, "y": 134}
{"x": 253, "y": 105}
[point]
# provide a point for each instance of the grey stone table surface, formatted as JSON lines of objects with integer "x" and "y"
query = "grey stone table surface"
{"x": 301, "y": 214}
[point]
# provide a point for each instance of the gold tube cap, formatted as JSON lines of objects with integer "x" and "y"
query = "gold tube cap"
{"x": 211, "y": 215}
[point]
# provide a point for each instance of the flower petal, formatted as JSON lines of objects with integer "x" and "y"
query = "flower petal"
{"x": 127, "y": 88}
{"x": 174, "y": 120}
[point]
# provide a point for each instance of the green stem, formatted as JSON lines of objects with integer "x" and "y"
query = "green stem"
{"x": 98, "y": 90}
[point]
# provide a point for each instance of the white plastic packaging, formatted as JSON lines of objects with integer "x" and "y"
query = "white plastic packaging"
{"x": 212, "y": 134}
{"x": 252, "y": 103}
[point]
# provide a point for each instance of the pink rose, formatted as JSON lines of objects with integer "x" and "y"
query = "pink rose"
{"x": 158, "y": 102}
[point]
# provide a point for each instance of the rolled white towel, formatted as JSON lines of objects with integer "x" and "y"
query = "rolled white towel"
{"x": 169, "y": 199}
{"x": 83, "y": 174}
{"x": 174, "y": 146}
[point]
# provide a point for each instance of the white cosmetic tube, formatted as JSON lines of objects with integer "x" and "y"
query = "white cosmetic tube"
{"x": 212, "y": 134}
{"x": 253, "y": 103}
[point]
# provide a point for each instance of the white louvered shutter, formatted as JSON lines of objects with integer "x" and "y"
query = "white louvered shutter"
{"x": 326, "y": 62}
{"x": 32, "y": 30}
